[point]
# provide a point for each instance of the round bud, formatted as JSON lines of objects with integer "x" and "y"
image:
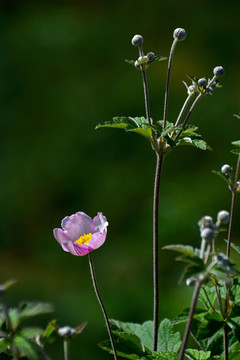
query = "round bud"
{"x": 202, "y": 82}
{"x": 179, "y": 34}
{"x": 207, "y": 234}
{"x": 150, "y": 56}
{"x": 226, "y": 170}
{"x": 218, "y": 71}
{"x": 137, "y": 40}
{"x": 223, "y": 217}
{"x": 66, "y": 331}
{"x": 136, "y": 64}
{"x": 142, "y": 59}
{"x": 214, "y": 84}
{"x": 190, "y": 282}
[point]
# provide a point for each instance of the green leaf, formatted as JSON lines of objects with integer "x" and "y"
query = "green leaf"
{"x": 165, "y": 355}
{"x": 234, "y": 246}
{"x": 51, "y": 327}
{"x": 193, "y": 260}
{"x": 212, "y": 324}
{"x": 198, "y": 354}
{"x": 30, "y": 309}
{"x": 25, "y": 347}
{"x": 200, "y": 144}
{"x": 190, "y": 271}
{"x": 30, "y": 333}
{"x": 4, "y": 344}
{"x": 159, "y": 58}
{"x": 167, "y": 339}
{"x": 236, "y": 143}
{"x": 235, "y": 151}
{"x": 237, "y": 115}
{"x": 221, "y": 175}
{"x": 211, "y": 294}
{"x": 183, "y": 249}
{"x": 183, "y": 316}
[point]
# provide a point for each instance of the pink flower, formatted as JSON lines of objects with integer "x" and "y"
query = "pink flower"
{"x": 80, "y": 234}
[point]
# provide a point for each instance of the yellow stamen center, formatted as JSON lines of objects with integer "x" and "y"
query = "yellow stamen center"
{"x": 84, "y": 239}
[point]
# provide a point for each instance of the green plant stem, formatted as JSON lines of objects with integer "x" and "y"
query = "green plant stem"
{"x": 183, "y": 109}
{"x": 167, "y": 82}
{"x": 101, "y": 305}
{"x": 66, "y": 349}
{"x": 189, "y": 323}
{"x": 155, "y": 249}
{"x": 189, "y": 114}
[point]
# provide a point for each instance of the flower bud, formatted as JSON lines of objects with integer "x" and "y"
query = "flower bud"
{"x": 66, "y": 332}
{"x": 136, "y": 64}
{"x": 223, "y": 217}
{"x": 207, "y": 221}
{"x": 202, "y": 82}
{"x": 209, "y": 91}
{"x": 226, "y": 170}
{"x": 218, "y": 71}
{"x": 179, "y": 34}
{"x": 150, "y": 56}
{"x": 142, "y": 59}
{"x": 191, "y": 90}
{"x": 137, "y": 40}
{"x": 190, "y": 282}
{"x": 207, "y": 234}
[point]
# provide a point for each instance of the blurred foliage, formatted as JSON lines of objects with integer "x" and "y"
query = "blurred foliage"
{"x": 62, "y": 71}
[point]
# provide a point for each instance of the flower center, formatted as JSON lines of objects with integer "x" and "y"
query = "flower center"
{"x": 84, "y": 239}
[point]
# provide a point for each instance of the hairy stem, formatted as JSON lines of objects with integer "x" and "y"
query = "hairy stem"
{"x": 167, "y": 82}
{"x": 101, "y": 305}
{"x": 225, "y": 337}
{"x": 189, "y": 114}
{"x": 66, "y": 349}
{"x": 183, "y": 109}
{"x": 209, "y": 301}
{"x": 189, "y": 323}
{"x": 155, "y": 249}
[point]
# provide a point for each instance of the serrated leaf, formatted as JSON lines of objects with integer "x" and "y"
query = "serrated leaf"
{"x": 30, "y": 309}
{"x": 210, "y": 326}
{"x": 211, "y": 294}
{"x": 167, "y": 339}
{"x": 190, "y": 271}
{"x": 200, "y": 144}
{"x": 183, "y": 249}
{"x": 193, "y": 354}
{"x": 165, "y": 355}
{"x": 26, "y": 347}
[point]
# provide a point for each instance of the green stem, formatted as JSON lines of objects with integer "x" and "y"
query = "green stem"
{"x": 190, "y": 318}
{"x": 155, "y": 249}
{"x": 66, "y": 349}
{"x": 167, "y": 82}
{"x": 101, "y": 305}
{"x": 225, "y": 337}
{"x": 146, "y": 96}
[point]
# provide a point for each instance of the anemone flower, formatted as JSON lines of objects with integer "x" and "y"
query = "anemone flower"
{"x": 80, "y": 234}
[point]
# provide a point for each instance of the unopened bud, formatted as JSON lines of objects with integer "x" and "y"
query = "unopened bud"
{"x": 66, "y": 332}
{"x": 218, "y": 71}
{"x": 209, "y": 91}
{"x": 226, "y": 170}
{"x": 179, "y": 34}
{"x": 150, "y": 56}
{"x": 191, "y": 89}
{"x": 207, "y": 234}
{"x": 137, "y": 40}
{"x": 190, "y": 282}
{"x": 223, "y": 217}
{"x": 202, "y": 82}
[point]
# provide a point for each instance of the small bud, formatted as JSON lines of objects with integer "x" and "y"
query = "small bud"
{"x": 190, "y": 282}
{"x": 209, "y": 91}
{"x": 207, "y": 220}
{"x": 226, "y": 170}
{"x": 218, "y": 71}
{"x": 137, "y": 40}
{"x": 66, "y": 332}
{"x": 223, "y": 217}
{"x": 136, "y": 64}
{"x": 202, "y": 82}
{"x": 150, "y": 56}
{"x": 214, "y": 84}
{"x": 207, "y": 234}
{"x": 142, "y": 59}
{"x": 191, "y": 89}
{"x": 179, "y": 34}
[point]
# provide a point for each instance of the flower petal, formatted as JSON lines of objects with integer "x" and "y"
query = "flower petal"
{"x": 100, "y": 222}
{"x": 98, "y": 239}
{"x": 64, "y": 240}
{"x": 77, "y": 225}
{"x": 82, "y": 250}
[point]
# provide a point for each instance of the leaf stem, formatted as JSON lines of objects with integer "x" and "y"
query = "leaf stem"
{"x": 155, "y": 249}
{"x": 225, "y": 337}
{"x": 146, "y": 96}
{"x": 190, "y": 318}
{"x": 209, "y": 301}
{"x": 101, "y": 305}
{"x": 167, "y": 82}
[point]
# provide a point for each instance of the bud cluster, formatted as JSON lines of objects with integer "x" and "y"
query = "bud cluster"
{"x": 209, "y": 230}
{"x": 144, "y": 60}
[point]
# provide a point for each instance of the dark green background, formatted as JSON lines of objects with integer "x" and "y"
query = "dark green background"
{"x": 62, "y": 71}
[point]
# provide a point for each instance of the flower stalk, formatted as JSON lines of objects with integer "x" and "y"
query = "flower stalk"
{"x": 92, "y": 271}
{"x": 66, "y": 349}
